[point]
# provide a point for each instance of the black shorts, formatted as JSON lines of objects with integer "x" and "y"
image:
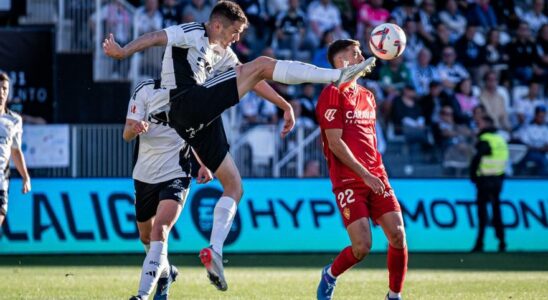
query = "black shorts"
{"x": 196, "y": 116}
{"x": 148, "y": 195}
{"x": 3, "y": 202}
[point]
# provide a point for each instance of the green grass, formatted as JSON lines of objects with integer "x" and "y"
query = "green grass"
{"x": 430, "y": 276}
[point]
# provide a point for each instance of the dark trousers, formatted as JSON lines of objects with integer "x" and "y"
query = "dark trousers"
{"x": 489, "y": 188}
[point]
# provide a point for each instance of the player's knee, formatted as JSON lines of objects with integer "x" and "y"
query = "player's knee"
{"x": 234, "y": 191}
{"x": 397, "y": 238}
{"x": 264, "y": 64}
{"x": 361, "y": 250}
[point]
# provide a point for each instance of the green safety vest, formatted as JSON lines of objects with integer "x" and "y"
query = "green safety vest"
{"x": 494, "y": 164}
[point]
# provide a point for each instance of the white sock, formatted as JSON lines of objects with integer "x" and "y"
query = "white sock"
{"x": 295, "y": 72}
{"x": 153, "y": 266}
{"x": 393, "y": 295}
{"x": 330, "y": 274}
{"x": 165, "y": 272}
{"x": 223, "y": 215}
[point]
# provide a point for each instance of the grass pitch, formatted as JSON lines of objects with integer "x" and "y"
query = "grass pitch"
{"x": 431, "y": 276}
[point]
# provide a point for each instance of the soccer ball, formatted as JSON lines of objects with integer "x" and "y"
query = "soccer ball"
{"x": 387, "y": 41}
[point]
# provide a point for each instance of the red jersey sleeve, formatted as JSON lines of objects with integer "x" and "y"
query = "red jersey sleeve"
{"x": 329, "y": 111}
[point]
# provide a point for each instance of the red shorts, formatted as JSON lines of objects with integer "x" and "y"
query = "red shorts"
{"x": 358, "y": 201}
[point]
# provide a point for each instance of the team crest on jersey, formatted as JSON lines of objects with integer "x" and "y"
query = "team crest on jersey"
{"x": 202, "y": 50}
{"x": 330, "y": 114}
{"x": 346, "y": 213}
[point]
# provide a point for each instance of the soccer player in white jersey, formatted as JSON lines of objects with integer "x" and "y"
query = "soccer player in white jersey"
{"x": 161, "y": 174}
{"x": 203, "y": 77}
{"x": 11, "y": 130}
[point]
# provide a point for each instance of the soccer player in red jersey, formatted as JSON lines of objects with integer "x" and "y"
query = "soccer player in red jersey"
{"x": 347, "y": 117}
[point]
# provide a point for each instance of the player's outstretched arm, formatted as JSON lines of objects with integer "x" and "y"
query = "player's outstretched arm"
{"x": 343, "y": 153}
{"x": 147, "y": 40}
{"x": 21, "y": 166}
{"x": 264, "y": 90}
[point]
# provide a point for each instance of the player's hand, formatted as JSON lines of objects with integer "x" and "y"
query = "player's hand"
{"x": 112, "y": 48}
{"x": 289, "y": 121}
{"x": 375, "y": 183}
{"x": 204, "y": 175}
{"x": 26, "y": 186}
{"x": 140, "y": 127}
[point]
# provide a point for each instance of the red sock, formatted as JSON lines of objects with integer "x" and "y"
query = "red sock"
{"x": 397, "y": 267}
{"x": 344, "y": 261}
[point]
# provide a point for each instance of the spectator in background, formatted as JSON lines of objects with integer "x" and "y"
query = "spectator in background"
{"x": 407, "y": 10}
{"x": 408, "y": 116}
{"x": 148, "y": 18}
{"x": 493, "y": 101}
{"x": 441, "y": 41}
{"x": 524, "y": 107}
{"x": 394, "y": 75}
{"x": 452, "y": 138}
{"x": 324, "y": 16}
{"x": 300, "y": 120}
{"x": 320, "y": 54}
{"x": 423, "y": 72}
{"x": 370, "y": 14}
{"x": 12, "y": 130}
{"x": 308, "y": 101}
{"x": 256, "y": 111}
{"x": 197, "y": 11}
{"x": 477, "y": 114}
{"x": 542, "y": 53}
{"x": 172, "y": 13}
{"x": 414, "y": 41}
{"x": 522, "y": 53}
{"x": 428, "y": 18}
{"x": 493, "y": 53}
{"x": 536, "y": 17}
{"x": 469, "y": 51}
{"x": 466, "y": 99}
{"x": 290, "y": 31}
{"x": 455, "y": 21}
{"x": 487, "y": 173}
{"x": 432, "y": 103}
{"x": 117, "y": 20}
{"x": 535, "y": 136}
{"x": 451, "y": 72}
{"x": 483, "y": 14}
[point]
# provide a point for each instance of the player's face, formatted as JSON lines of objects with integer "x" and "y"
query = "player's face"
{"x": 353, "y": 55}
{"x": 4, "y": 91}
{"x": 231, "y": 34}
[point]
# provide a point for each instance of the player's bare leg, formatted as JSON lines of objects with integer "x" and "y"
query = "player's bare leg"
{"x": 2, "y": 217}
{"x": 360, "y": 236}
{"x": 156, "y": 261}
{"x": 392, "y": 225}
{"x": 223, "y": 216}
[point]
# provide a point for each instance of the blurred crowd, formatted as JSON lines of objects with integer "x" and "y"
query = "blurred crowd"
{"x": 464, "y": 59}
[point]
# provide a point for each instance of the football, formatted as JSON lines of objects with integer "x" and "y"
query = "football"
{"x": 387, "y": 41}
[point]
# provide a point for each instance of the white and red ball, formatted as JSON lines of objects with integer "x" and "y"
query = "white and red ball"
{"x": 387, "y": 41}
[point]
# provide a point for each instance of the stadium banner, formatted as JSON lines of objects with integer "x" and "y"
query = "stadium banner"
{"x": 275, "y": 215}
{"x": 28, "y": 58}
{"x": 46, "y": 146}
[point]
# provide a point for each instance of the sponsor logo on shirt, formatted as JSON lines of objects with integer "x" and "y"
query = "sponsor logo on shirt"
{"x": 330, "y": 114}
{"x": 360, "y": 116}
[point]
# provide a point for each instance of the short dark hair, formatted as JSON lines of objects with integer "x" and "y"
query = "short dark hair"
{"x": 228, "y": 10}
{"x": 4, "y": 76}
{"x": 487, "y": 119}
{"x": 338, "y": 46}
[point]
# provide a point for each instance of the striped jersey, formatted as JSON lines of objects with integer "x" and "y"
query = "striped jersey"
{"x": 160, "y": 153}
{"x": 11, "y": 130}
{"x": 189, "y": 58}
